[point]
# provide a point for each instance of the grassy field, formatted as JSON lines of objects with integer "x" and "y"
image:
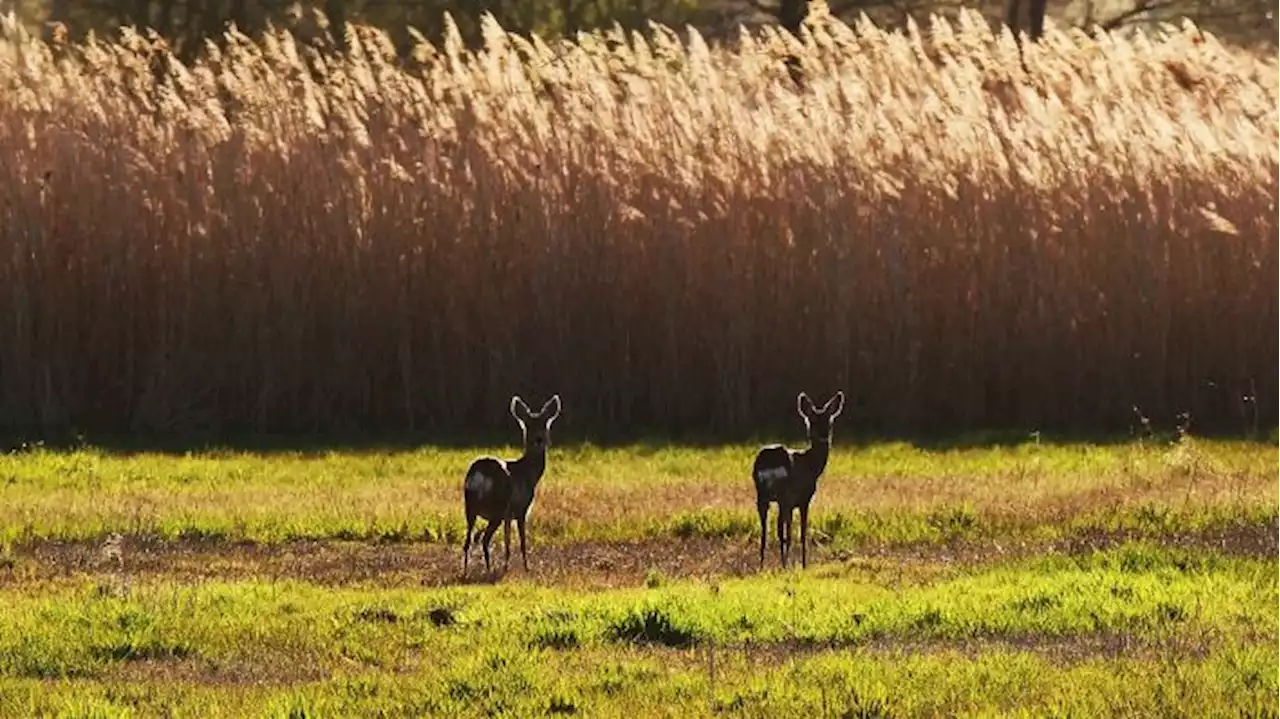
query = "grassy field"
{"x": 1038, "y": 579}
{"x": 272, "y": 241}
{"x": 884, "y": 493}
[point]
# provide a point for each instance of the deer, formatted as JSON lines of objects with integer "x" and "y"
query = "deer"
{"x": 502, "y": 491}
{"x": 789, "y": 477}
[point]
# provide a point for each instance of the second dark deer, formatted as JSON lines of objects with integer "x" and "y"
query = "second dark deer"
{"x": 789, "y": 477}
{"x": 501, "y": 491}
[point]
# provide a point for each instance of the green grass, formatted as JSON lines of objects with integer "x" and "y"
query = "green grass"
{"x": 1233, "y": 683}
{"x": 1195, "y": 633}
{"x": 893, "y": 493}
{"x": 1000, "y": 605}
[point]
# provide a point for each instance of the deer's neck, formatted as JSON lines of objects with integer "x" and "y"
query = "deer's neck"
{"x": 531, "y": 465}
{"x": 815, "y": 457}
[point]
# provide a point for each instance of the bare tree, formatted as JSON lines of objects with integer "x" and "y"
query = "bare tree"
{"x": 1114, "y": 20}
{"x": 336, "y": 12}
{"x": 791, "y": 14}
{"x": 1120, "y": 18}
{"x": 1035, "y": 17}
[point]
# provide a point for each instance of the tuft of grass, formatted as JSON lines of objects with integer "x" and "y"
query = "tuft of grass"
{"x": 653, "y": 624}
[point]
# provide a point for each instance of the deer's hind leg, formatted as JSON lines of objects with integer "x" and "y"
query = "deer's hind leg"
{"x": 466, "y": 543}
{"x": 487, "y": 540}
{"x": 784, "y": 533}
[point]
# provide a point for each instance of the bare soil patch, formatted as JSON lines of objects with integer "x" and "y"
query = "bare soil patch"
{"x": 391, "y": 564}
{"x": 1057, "y": 649}
{"x": 585, "y": 564}
{"x": 1062, "y": 651}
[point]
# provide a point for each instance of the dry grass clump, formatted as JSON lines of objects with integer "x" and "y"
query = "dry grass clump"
{"x": 667, "y": 234}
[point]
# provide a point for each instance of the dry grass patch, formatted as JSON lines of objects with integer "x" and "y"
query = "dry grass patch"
{"x": 276, "y": 240}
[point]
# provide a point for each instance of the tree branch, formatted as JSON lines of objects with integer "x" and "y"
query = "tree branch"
{"x": 1141, "y": 6}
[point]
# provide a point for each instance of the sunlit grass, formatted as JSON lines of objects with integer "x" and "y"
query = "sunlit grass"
{"x": 944, "y": 683}
{"x": 1141, "y": 629}
{"x": 1188, "y": 627}
{"x": 882, "y": 492}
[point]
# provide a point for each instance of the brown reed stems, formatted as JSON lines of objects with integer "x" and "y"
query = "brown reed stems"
{"x": 671, "y": 236}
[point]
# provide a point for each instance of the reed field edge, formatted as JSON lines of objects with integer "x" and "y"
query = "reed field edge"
{"x": 278, "y": 240}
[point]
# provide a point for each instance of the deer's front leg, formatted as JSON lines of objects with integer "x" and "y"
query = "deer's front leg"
{"x": 782, "y": 535}
{"x": 506, "y": 541}
{"x": 524, "y": 554}
{"x": 804, "y": 535}
{"x": 487, "y": 541}
{"x": 763, "y": 508}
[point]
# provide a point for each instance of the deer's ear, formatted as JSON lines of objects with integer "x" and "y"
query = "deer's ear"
{"x": 552, "y": 406}
{"x": 835, "y": 405}
{"x": 804, "y": 405}
{"x": 519, "y": 409}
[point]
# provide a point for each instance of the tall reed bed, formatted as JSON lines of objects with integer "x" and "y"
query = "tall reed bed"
{"x": 673, "y": 237}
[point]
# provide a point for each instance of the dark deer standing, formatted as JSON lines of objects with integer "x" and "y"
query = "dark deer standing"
{"x": 502, "y": 490}
{"x": 789, "y": 477}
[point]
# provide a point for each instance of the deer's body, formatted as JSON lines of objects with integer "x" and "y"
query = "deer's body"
{"x": 789, "y": 477}
{"x": 502, "y": 491}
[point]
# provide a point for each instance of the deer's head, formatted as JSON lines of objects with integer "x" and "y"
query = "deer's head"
{"x": 536, "y": 426}
{"x": 818, "y": 421}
